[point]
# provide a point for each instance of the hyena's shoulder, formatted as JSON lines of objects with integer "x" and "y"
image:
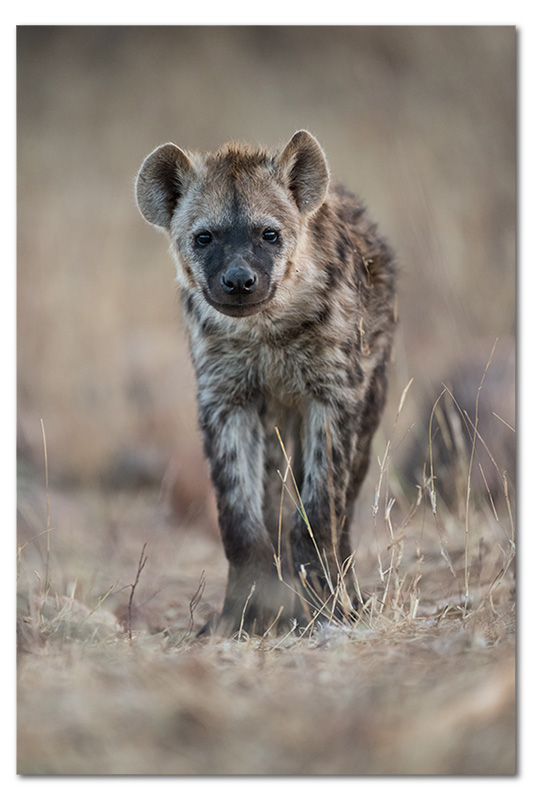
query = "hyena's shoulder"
{"x": 351, "y": 252}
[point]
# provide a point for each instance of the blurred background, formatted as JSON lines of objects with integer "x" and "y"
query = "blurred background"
{"x": 419, "y": 121}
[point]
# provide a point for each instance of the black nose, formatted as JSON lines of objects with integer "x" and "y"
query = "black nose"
{"x": 239, "y": 279}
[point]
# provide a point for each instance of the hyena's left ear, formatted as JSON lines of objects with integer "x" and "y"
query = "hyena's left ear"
{"x": 304, "y": 167}
{"x": 162, "y": 179}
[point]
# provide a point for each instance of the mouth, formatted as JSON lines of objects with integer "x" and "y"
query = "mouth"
{"x": 242, "y": 309}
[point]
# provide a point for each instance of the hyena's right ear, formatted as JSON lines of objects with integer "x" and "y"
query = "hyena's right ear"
{"x": 161, "y": 181}
{"x": 304, "y": 167}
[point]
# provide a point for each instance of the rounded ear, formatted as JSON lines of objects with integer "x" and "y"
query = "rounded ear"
{"x": 305, "y": 169}
{"x": 161, "y": 181}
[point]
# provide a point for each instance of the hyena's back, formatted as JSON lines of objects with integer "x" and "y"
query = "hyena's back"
{"x": 288, "y": 296}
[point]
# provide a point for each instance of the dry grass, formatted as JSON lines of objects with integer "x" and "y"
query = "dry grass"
{"x": 421, "y": 682}
{"x": 421, "y": 122}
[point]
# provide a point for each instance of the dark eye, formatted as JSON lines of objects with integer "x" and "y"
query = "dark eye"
{"x": 203, "y": 238}
{"x": 270, "y": 236}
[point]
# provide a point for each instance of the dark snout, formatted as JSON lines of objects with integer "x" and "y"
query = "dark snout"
{"x": 240, "y": 288}
{"x": 239, "y": 278}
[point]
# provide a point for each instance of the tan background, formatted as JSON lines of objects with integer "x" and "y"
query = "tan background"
{"x": 419, "y": 121}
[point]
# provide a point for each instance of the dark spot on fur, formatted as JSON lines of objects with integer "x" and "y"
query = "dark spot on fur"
{"x": 208, "y": 327}
{"x": 348, "y": 349}
{"x": 225, "y": 481}
{"x": 319, "y": 456}
{"x": 333, "y": 274}
{"x": 344, "y": 247}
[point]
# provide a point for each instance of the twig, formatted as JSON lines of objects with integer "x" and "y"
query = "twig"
{"x": 142, "y": 563}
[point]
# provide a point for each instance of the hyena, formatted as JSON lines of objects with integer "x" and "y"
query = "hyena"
{"x": 288, "y": 296}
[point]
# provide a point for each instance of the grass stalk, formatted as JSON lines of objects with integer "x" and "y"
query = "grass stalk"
{"x": 48, "y": 528}
{"x": 142, "y": 563}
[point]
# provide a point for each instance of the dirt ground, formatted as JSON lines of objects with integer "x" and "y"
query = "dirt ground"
{"x": 422, "y": 683}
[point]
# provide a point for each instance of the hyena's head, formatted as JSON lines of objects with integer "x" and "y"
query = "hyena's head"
{"x": 233, "y": 217}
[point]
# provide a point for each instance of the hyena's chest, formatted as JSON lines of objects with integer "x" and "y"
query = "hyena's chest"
{"x": 286, "y": 371}
{"x": 283, "y": 372}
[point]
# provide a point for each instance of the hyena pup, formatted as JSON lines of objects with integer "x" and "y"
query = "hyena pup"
{"x": 289, "y": 300}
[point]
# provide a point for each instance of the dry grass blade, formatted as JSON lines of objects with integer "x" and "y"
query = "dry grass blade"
{"x": 22, "y": 547}
{"x": 101, "y": 601}
{"x": 433, "y": 493}
{"x": 489, "y": 493}
{"x": 469, "y": 479}
{"x": 383, "y": 468}
{"x": 509, "y": 509}
{"x": 239, "y": 634}
{"x": 331, "y": 489}
{"x": 195, "y": 599}
{"x": 277, "y": 558}
{"x": 47, "y": 568}
{"x": 274, "y": 622}
{"x": 504, "y": 422}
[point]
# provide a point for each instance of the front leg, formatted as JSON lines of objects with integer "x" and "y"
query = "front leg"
{"x": 234, "y": 445}
{"x": 319, "y": 535}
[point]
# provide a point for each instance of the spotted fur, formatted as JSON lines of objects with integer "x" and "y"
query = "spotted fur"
{"x": 299, "y": 340}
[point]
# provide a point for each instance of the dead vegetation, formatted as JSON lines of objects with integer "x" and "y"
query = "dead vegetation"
{"x": 112, "y": 679}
